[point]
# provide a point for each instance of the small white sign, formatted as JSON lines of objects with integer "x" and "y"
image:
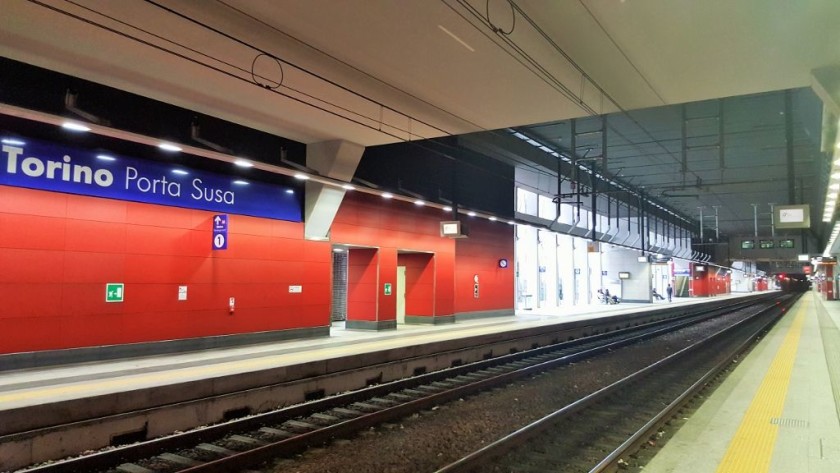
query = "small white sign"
{"x": 295, "y": 289}
{"x": 182, "y": 293}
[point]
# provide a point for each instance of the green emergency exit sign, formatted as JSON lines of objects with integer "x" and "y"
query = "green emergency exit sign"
{"x": 114, "y": 292}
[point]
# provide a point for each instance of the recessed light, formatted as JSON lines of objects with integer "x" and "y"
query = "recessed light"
{"x": 180, "y": 171}
{"x": 170, "y": 147}
{"x": 348, "y": 187}
{"x": 240, "y": 182}
{"x": 387, "y": 195}
{"x": 12, "y": 141}
{"x": 105, "y": 157}
{"x": 301, "y": 177}
{"x": 72, "y": 126}
{"x": 243, "y": 163}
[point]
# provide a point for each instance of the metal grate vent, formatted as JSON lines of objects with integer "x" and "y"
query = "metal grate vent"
{"x": 338, "y": 311}
{"x": 789, "y": 422}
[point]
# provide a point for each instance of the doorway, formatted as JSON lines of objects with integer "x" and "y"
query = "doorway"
{"x": 400, "y": 294}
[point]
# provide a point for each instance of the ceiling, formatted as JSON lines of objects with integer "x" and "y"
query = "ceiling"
{"x": 381, "y": 71}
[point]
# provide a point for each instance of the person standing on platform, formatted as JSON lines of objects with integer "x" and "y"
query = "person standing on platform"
{"x": 670, "y": 291}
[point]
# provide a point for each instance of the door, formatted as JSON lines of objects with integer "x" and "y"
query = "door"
{"x": 400, "y": 294}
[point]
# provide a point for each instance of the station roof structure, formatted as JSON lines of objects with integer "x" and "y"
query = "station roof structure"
{"x": 714, "y": 104}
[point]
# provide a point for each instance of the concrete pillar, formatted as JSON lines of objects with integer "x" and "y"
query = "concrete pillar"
{"x": 335, "y": 159}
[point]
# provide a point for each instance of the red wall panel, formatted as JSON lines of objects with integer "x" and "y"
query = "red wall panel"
{"x": 362, "y": 277}
{"x": 419, "y": 283}
{"x": 57, "y": 251}
{"x": 479, "y": 255}
{"x": 397, "y": 226}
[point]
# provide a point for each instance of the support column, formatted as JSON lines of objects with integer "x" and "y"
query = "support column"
{"x": 334, "y": 159}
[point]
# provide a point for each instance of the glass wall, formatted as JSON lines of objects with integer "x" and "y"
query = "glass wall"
{"x": 547, "y": 256}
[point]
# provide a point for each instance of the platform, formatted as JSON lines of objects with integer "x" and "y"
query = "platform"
{"x": 30, "y": 387}
{"x": 778, "y": 411}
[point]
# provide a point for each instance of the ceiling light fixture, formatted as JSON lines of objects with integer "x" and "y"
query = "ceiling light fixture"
{"x": 240, "y": 182}
{"x": 243, "y": 163}
{"x": 170, "y": 147}
{"x": 387, "y": 195}
{"x": 471, "y": 213}
{"x": 301, "y": 177}
{"x": 447, "y": 208}
{"x": 348, "y": 187}
{"x": 105, "y": 157}
{"x": 180, "y": 171}
{"x": 12, "y": 141}
{"x": 419, "y": 202}
{"x": 290, "y": 191}
{"x": 73, "y": 126}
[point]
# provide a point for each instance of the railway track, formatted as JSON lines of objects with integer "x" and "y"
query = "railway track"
{"x": 602, "y": 431}
{"x": 244, "y": 442}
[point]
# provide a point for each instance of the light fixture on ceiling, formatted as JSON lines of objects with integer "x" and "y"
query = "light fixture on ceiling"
{"x": 105, "y": 157}
{"x": 348, "y": 187}
{"x": 301, "y": 177}
{"x": 387, "y": 195}
{"x": 74, "y": 126}
{"x": 419, "y": 203}
{"x": 243, "y": 163}
{"x": 170, "y": 147}
{"x": 240, "y": 182}
{"x": 12, "y": 141}
{"x": 180, "y": 172}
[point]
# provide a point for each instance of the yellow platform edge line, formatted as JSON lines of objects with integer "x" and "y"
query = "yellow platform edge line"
{"x": 751, "y": 449}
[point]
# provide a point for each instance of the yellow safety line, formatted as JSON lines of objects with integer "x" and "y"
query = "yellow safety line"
{"x": 751, "y": 448}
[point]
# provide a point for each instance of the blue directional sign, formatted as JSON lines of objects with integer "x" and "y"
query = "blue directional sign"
{"x": 220, "y": 232}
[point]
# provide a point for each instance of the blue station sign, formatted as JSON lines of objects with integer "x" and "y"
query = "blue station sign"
{"x": 52, "y": 167}
{"x": 220, "y": 232}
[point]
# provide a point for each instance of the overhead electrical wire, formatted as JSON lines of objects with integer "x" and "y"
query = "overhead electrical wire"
{"x": 254, "y": 75}
{"x": 254, "y": 81}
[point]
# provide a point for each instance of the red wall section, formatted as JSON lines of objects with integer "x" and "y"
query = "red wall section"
{"x": 393, "y": 226}
{"x": 419, "y": 283}
{"x": 57, "y": 251}
{"x": 479, "y": 255}
{"x": 712, "y": 281}
{"x": 362, "y": 284}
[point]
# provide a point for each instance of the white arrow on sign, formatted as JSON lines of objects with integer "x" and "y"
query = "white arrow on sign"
{"x": 218, "y": 219}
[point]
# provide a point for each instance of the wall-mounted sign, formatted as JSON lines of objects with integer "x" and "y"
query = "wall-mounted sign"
{"x": 114, "y": 292}
{"x": 51, "y": 167}
{"x": 623, "y": 275}
{"x": 503, "y": 263}
{"x": 699, "y": 269}
{"x": 387, "y": 289}
{"x": 792, "y": 216}
{"x": 295, "y": 289}
{"x": 182, "y": 293}
{"x": 220, "y": 232}
{"x": 452, "y": 229}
